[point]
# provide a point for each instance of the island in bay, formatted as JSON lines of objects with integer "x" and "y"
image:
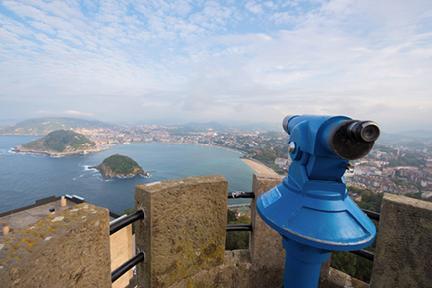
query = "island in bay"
{"x": 60, "y": 143}
{"x": 120, "y": 166}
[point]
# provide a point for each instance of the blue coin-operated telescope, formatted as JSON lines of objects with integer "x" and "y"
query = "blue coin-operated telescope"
{"x": 311, "y": 208}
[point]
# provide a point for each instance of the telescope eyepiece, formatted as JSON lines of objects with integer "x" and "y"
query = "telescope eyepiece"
{"x": 367, "y": 131}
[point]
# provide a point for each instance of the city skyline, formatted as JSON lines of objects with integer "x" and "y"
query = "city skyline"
{"x": 126, "y": 61}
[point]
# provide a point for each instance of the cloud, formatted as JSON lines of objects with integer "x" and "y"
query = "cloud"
{"x": 77, "y": 113}
{"x": 73, "y": 113}
{"x": 254, "y": 7}
{"x": 213, "y": 60}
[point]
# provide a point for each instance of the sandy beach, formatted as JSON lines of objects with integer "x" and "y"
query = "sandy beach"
{"x": 260, "y": 168}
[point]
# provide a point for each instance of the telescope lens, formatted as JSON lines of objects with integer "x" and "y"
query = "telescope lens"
{"x": 369, "y": 132}
{"x": 366, "y": 131}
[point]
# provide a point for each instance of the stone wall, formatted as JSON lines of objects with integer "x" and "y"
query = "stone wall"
{"x": 404, "y": 244}
{"x": 183, "y": 237}
{"x": 233, "y": 273}
{"x": 338, "y": 279}
{"x": 67, "y": 249}
{"x": 184, "y": 229}
{"x": 267, "y": 253}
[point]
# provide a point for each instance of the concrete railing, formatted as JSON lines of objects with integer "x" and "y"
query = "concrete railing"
{"x": 185, "y": 216}
{"x": 404, "y": 244}
{"x": 182, "y": 238}
{"x": 70, "y": 248}
{"x": 183, "y": 232}
{"x": 267, "y": 253}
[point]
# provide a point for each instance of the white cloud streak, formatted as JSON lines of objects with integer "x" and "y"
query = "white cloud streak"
{"x": 135, "y": 60}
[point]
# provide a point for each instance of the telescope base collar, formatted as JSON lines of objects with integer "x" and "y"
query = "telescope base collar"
{"x": 333, "y": 223}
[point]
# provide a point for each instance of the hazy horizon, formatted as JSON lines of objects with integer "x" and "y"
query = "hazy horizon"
{"x": 222, "y": 61}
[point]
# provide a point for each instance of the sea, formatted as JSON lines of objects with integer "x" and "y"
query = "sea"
{"x": 25, "y": 178}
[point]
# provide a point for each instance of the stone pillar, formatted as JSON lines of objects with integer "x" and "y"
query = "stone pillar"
{"x": 267, "y": 253}
{"x": 66, "y": 249}
{"x": 184, "y": 228}
{"x": 404, "y": 244}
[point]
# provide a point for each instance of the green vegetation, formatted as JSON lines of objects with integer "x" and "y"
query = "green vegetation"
{"x": 120, "y": 163}
{"x": 416, "y": 195}
{"x": 349, "y": 263}
{"x": 408, "y": 158}
{"x": 120, "y": 166}
{"x": 353, "y": 265}
{"x": 237, "y": 239}
{"x": 59, "y": 141}
{"x": 267, "y": 155}
{"x": 370, "y": 200}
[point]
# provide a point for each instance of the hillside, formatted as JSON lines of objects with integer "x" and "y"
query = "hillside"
{"x": 120, "y": 166}
{"x": 43, "y": 126}
{"x": 60, "y": 143}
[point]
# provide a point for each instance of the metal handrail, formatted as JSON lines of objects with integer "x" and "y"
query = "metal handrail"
{"x": 241, "y": 194}
{"x": 124, "y": 221}
{"x": 365, "y": 254}
{"x": 239, "y": 227}
{"x": 372, "y": 214}
{"x": 122, "y": 269}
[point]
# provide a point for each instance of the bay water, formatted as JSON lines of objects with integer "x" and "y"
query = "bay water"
{"x": 25, "y": 178}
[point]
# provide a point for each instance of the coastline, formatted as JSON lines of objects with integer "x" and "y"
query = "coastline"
{"x": 105, "y": 147}
{"x": 199, "y": 144}
{"x": 71, "y": 175}
{"x": 255, "y": 165}
{"x": 224, "y": 147}
{"x": 19, "y": 149}
{"x": 260, "y": 168}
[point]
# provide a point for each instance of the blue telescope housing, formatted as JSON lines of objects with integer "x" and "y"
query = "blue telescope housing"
{"x": 311, "y": 208}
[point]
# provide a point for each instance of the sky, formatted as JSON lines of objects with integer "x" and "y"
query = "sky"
{"x": 225, "y": 61}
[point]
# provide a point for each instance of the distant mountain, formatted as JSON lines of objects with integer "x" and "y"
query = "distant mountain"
{"x": 274, "y": 127}
{"x": 418, "y": 134}
{"x": 217, "y": 126}
{"x": 5, "y": 122}
{"x": 199, "y": 126}
{"x": 406, "y": 137}
{"x": 43, "y": 126}
{"x": 60, "y": 143}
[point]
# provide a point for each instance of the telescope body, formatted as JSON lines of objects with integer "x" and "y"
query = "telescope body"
{"x": 311, "y": 208}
